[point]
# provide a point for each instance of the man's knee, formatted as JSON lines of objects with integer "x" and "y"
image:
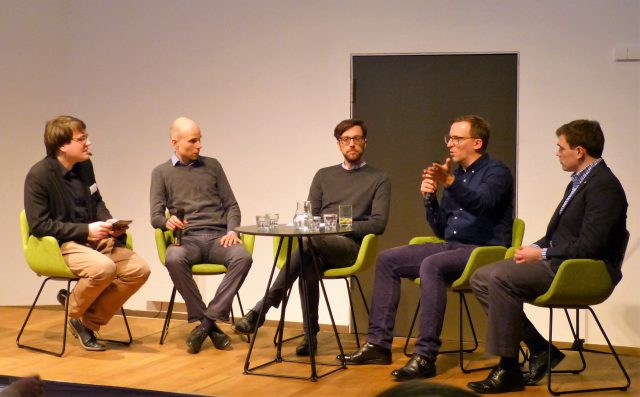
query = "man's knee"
{"x": 241, "y": 259}
{"x": 103, "y": 270}
{"x": 175, "y": 257}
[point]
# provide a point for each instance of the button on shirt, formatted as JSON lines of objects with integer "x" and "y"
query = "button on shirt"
{"x": 478, "y": 207}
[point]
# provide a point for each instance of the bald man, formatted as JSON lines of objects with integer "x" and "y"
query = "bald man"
{"x": 198, "y": 186}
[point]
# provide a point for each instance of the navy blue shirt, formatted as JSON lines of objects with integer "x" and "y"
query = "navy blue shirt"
{"x": 478, "y": 207}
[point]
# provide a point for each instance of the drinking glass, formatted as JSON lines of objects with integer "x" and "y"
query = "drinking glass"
{"x": 345, "y": 216}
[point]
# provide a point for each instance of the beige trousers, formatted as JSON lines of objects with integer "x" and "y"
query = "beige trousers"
{"x": 109, "y": 275}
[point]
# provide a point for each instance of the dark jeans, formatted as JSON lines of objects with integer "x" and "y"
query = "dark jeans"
{"x": 332, "y": 252}
{"x": 437, "y": 265}
{"x": 501, "y": 288}
{"x": 204, "y": 247}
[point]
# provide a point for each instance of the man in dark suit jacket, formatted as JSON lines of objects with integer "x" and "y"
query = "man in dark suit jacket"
{"x": 61, "y": 199}
{"x": 589, "y": 222}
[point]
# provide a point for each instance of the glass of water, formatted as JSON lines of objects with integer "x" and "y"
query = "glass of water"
{"x": 345, "y": 216}
{"x": 330, "y": 221}
{"x": 272, "y": 220}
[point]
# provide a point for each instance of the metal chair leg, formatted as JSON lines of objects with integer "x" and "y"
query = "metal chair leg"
{"x": 64, "y": 327}
{"x": 353, "y": 313}
{"x": 613, "y": 352}
{"x": 167, "y": 319}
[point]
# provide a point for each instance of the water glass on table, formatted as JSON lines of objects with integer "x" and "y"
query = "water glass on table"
{"x": 272, "y": 220}
{"x": 262, "y": 222}
{"x": 345, "y": 216}
{"x": 330, "y": 221}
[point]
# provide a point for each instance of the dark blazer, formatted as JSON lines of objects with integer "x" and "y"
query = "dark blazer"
{"x": 49, "y": 207}
{"x": 592, "y": 225}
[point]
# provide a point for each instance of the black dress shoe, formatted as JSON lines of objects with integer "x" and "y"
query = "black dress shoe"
{"x": 85, "y": 335}
{"x": 538, "y": 364}
{"x": 500, "y": 380}
{"x": 304, "y": 349}
{"x": 247, "y": 324}
{"x": 220, "y": 340}
{"x": 418, "y": 367}
{"x": 61, "y": 297}
{"x": 196, "y": 339}
{"x": 368, "y": 354}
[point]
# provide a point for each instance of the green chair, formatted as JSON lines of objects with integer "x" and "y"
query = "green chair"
{"x": 580, "y": 284}
{"x": 163, "y": 240}
{"x": 366, "y": 258}
{"x": 45, "y": 259}
{"x": 480, "y": 257}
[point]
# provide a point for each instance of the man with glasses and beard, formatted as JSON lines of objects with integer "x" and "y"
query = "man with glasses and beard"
{"x": 476, "y": 210}
{"x": 352, "y": 182}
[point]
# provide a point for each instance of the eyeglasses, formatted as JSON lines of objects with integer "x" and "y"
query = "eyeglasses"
{"x": 81, "y": 138}
{"x": 345, "y": 140}
{"x": 455, "y": 139}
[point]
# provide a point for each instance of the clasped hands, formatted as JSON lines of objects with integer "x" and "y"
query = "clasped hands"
{"x": 227, "y": 240}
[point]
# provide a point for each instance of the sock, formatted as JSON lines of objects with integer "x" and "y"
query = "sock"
{"x": 208, "y": 324}
{"x": 537, "y": 345}
{"x": 509, "y": 363}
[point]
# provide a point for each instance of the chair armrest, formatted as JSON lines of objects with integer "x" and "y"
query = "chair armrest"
{"x": 425, "y": 239}
{"x": 163, "y": 240}
{"x": 479, "y": 257}
{"x": 366, "y": 258}
{"x": 44, "y": 257}
{"x": 578, "y": 282}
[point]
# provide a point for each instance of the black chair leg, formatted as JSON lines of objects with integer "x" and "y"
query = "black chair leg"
{"x": 64, "y": 328}
{"x": 167, "y": 319}
{"x": 413, "y": 323}
{"x": 611, "y": 348}
{"x": 353, "y": 313}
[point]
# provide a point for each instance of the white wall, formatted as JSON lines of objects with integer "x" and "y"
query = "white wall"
{"x": 268, "y": 80}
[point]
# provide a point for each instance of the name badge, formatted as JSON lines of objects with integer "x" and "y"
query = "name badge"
{"x": 93, "y": 188}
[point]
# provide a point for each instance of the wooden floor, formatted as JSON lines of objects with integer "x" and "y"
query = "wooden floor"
{"x": 149, "y": 365}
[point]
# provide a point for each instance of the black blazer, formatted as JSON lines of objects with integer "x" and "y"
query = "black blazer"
{"x": 49, "y": 207}
{"x": 592, "y": 225}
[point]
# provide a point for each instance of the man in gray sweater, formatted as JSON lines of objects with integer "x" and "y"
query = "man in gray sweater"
{"x": 202, "y": 207}
{"x": 351, "y": 182}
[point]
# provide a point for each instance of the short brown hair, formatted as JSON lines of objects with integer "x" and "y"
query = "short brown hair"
{"x": 349, "y": 123}
{"x": 585, "y": 133}
{"x": 480, "y": 128}
{"x": 59, "y": 132}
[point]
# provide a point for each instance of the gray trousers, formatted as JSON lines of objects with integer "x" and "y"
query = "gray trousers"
{"x": 204, "y": 247}
{"x": 331, "y": 252}
{"x": 502, "y": 288}
{"x": 437, "y": 265}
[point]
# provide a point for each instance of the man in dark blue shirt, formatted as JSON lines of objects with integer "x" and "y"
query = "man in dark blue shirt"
{"x": 476, "y": 210}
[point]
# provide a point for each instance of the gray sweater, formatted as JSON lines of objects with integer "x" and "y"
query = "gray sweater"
{"x": 201, "y": 189}
{"x": 366, "y": 189}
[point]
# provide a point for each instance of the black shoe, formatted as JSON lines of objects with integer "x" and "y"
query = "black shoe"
{"x": 62, "y": 297}
{"x": 500, "y": 381}
{"x": 196, "y": 339}
{"x": 303, "y": 349}
{"x": 247, "y": 324}
{"x": 538, "y": 364}
{"x": 220, "y": 340}
{"x": 418, "y": 367}
{"x": 368, "y": 354}
{"x": 85, "y": 335}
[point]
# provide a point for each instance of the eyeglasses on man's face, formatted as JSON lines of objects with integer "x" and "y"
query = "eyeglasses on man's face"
{"x": 455, "y": 139}
{"x": 345, "y": 140}
{"x": 82, "y": 138}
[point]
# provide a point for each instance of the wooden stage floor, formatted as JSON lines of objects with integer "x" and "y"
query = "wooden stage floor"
{"x": 148, "y": 365}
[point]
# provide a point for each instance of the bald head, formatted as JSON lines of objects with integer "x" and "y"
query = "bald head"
{"x": 186, "y": 139}
{"x": 181, "y": 126}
